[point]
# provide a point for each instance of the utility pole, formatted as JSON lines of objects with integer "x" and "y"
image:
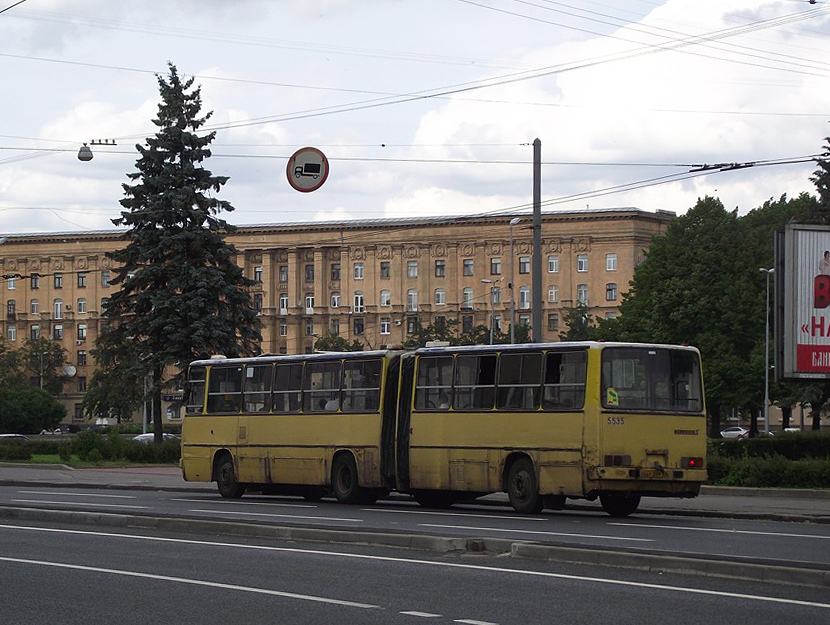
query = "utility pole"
{"x": 536, "y": 318}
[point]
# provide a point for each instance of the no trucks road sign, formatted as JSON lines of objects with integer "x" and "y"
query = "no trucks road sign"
{"x": 307, "y": 169}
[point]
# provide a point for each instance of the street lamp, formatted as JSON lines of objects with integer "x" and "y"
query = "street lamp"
{"x": 769, "y": 272}
{"x": 492, "y": 284}
{"x": 513, "y": 222}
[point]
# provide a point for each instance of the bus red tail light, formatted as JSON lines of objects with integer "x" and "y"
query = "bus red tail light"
{"x": 691, "y": 462}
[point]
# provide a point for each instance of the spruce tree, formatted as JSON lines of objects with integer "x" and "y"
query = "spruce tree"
{"x": 181, "y": 296}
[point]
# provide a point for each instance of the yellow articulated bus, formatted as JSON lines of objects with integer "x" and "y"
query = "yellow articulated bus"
{"x": 542, "y": 422}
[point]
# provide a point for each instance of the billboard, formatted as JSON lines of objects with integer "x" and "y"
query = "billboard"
{"x": 803, "y": 299}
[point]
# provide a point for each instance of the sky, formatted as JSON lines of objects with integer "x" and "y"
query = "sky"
{"x": 424, "y": 108}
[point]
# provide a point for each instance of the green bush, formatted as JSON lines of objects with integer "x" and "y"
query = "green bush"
{"x": 14, "y": 450}
{"x": 769, "y": 472}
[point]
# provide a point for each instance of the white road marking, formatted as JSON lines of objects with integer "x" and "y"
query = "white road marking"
{"x": 471, "y": 622}
{"x": 495, "y": 529}
{"x": 429, "y": 563}
{"x": 65, "y": 494}
{"x": 512, "y": 517}
{"x": 280, "y": 516}
{"x": 194, "y": 582}
{"x": 249, "y": 503}
{"x": 421, "y": 614}
{"x": 725, "y": 531}
{"x": 79, "y": 503}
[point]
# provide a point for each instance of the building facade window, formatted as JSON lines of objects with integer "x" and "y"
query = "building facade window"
{"x": 440, "y": 297}
{"x": 81, "y": 304}
{"x": 57, "y": 332}
{"x": 385, "y": 270}
{"x": 309, "y": 327}
{"x": 358, "y": 271}
{"x": 57, "y": 309}
{"x": 283, "y": 273}
{"x": 495, "y": 266}
{"x": 524, "y": 297}
{"x": 582, "y": 294}
{"x": 283, "y": 303}
{"x": 335, "y": 327}
{"x": 335, "y": 299}
{"x": 358, "y": 325}
{"x": 411, "y": 325}
{"x": 11, "y": 333}
{"x": 553, "y": 264}
{"x": 57, "y": 280}
{"x": 385, "y": 325}
{"x": 610, "y": 262}
{"x": 105, "y": 278}
{"x": 82, "y": 384}
{"x": 524, "y": 320}
{"x": 440, "y": 269}
{"x": 553, "y": 293}
{"x": 258, "y": 275}
{"x": 35, "y": 281}
{"x": 258, "y": 302}
{"x": 524, "y": 264}
{"x": 34, "y": 307}
{"x": 412, "y": 299}
{"x": 412, "y": 269}
{"x": 611, "y": 314}
{"x": 468, "y": 267}
{"x": 309, "y": 273}
{"x": 309, "y": 302}
{"x": 11, "y": 283}
{"x": 553, "y": 322}
{"x": 11, "y": 309}
{"x": 467, "y": 298}
{"x": 611, "y": 291}
{"x": 81, "y": 358}
{"x": 358, "y": 302}
{"x": 82, "y": 277}
{"x": 466, "y": 323}
{"x": 81, "y": 331}
{"x": 283, "y": 327}
{"x": 335, "y": 272}
{"x": 34, "y": 333}
{"x": 582, "y": 263}
{"x": 495, "y": 295}
{"x": 385, "y": 297}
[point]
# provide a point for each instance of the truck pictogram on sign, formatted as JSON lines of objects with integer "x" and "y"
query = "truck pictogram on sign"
{"x": 307, "y": 169}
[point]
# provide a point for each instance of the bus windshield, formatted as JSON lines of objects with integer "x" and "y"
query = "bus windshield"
{"x": 651, "y": 379}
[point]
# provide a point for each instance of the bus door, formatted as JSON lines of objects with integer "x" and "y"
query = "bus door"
{"x": 224, "y": 402}
{"x": 254, "y": 423}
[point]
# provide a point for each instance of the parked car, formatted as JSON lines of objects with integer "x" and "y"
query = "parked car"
{"x": 14, "y": 437}
{"x": 149, "y": 437}
{"x": 736, "y": 431}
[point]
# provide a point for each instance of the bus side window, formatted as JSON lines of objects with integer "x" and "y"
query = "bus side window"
{"x": 288, "y": 384}
{"x": 565, "y": 377}
{"x": 257, "y": 388}
{"x": 196, "y": 378}
{"x": 433, "y": 388}
{"x": 361, "y": 385}
{"x": 225, "y": 389}
{"x": 475, "y": 382}
{"x": 520, "y": 381}
{"x": 321, "y": 385}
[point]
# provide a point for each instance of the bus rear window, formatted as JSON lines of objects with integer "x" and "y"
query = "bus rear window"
{"x": 651, "y": 379}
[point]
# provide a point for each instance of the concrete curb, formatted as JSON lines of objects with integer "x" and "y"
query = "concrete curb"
{"x": 677, "y": 563}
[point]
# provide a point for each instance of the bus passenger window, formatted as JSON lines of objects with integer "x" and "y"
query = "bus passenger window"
{"x": 196, "y": 390}
{"x": 257, "y": 388}
{"x": 475, "y": 382}
{"x": 321, "y": 384}
{"x": 520, "y": 381}
{"x": 565, "y": 376}
{"x": 288, "y": 384}
{"x": 225, "y": 389}
{"x": 361, "y": 385}
{"x": 433, "y": 387}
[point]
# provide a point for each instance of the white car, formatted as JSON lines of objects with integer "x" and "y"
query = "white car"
{"x": 736, "y": 431}
{"x": 149, "y": 437}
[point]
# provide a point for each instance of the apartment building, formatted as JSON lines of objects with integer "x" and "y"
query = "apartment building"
{"x": 370, "y": 280}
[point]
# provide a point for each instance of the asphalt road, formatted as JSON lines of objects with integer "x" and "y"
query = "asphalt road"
{"x": 80, "y": 575}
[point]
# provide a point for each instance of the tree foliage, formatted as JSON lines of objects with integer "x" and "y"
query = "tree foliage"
{"x": 182, "y": 296}
{"x": 448, "y": 332}
{"x": 28, "y": 410}
{"x": 579, "y": 323}
{"x": 335, "y": 343}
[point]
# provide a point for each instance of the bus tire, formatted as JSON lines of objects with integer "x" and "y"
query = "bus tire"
{"x": 523, "y": 487}
{"x": 226, "y": 480}
{"x": 619, "y": 505}
{"x": 344, "y": 480}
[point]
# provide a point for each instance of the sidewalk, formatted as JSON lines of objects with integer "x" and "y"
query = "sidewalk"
{"x": 773, "y": 504}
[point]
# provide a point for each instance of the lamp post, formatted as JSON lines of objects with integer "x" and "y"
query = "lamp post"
{"x": 769, "y": 272}
{"x": 492, "y": 305}
{"x": 513, "y": 222}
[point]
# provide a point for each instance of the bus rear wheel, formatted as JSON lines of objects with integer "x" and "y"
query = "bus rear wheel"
{"x": 226, "y": 480}
{"x": 344, "y": 480}
{"x": 619, "y": 505}
{"x": 523, "y": 487}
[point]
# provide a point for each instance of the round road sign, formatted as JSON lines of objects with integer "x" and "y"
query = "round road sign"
{"x": 307, "y": 169}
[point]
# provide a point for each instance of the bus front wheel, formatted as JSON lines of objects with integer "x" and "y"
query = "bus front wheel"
{"x": 523, "y": 487}
{"x": 344, "y": 481}
{"x": 226, "y": 481}
{"x": 619, "y": 505}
